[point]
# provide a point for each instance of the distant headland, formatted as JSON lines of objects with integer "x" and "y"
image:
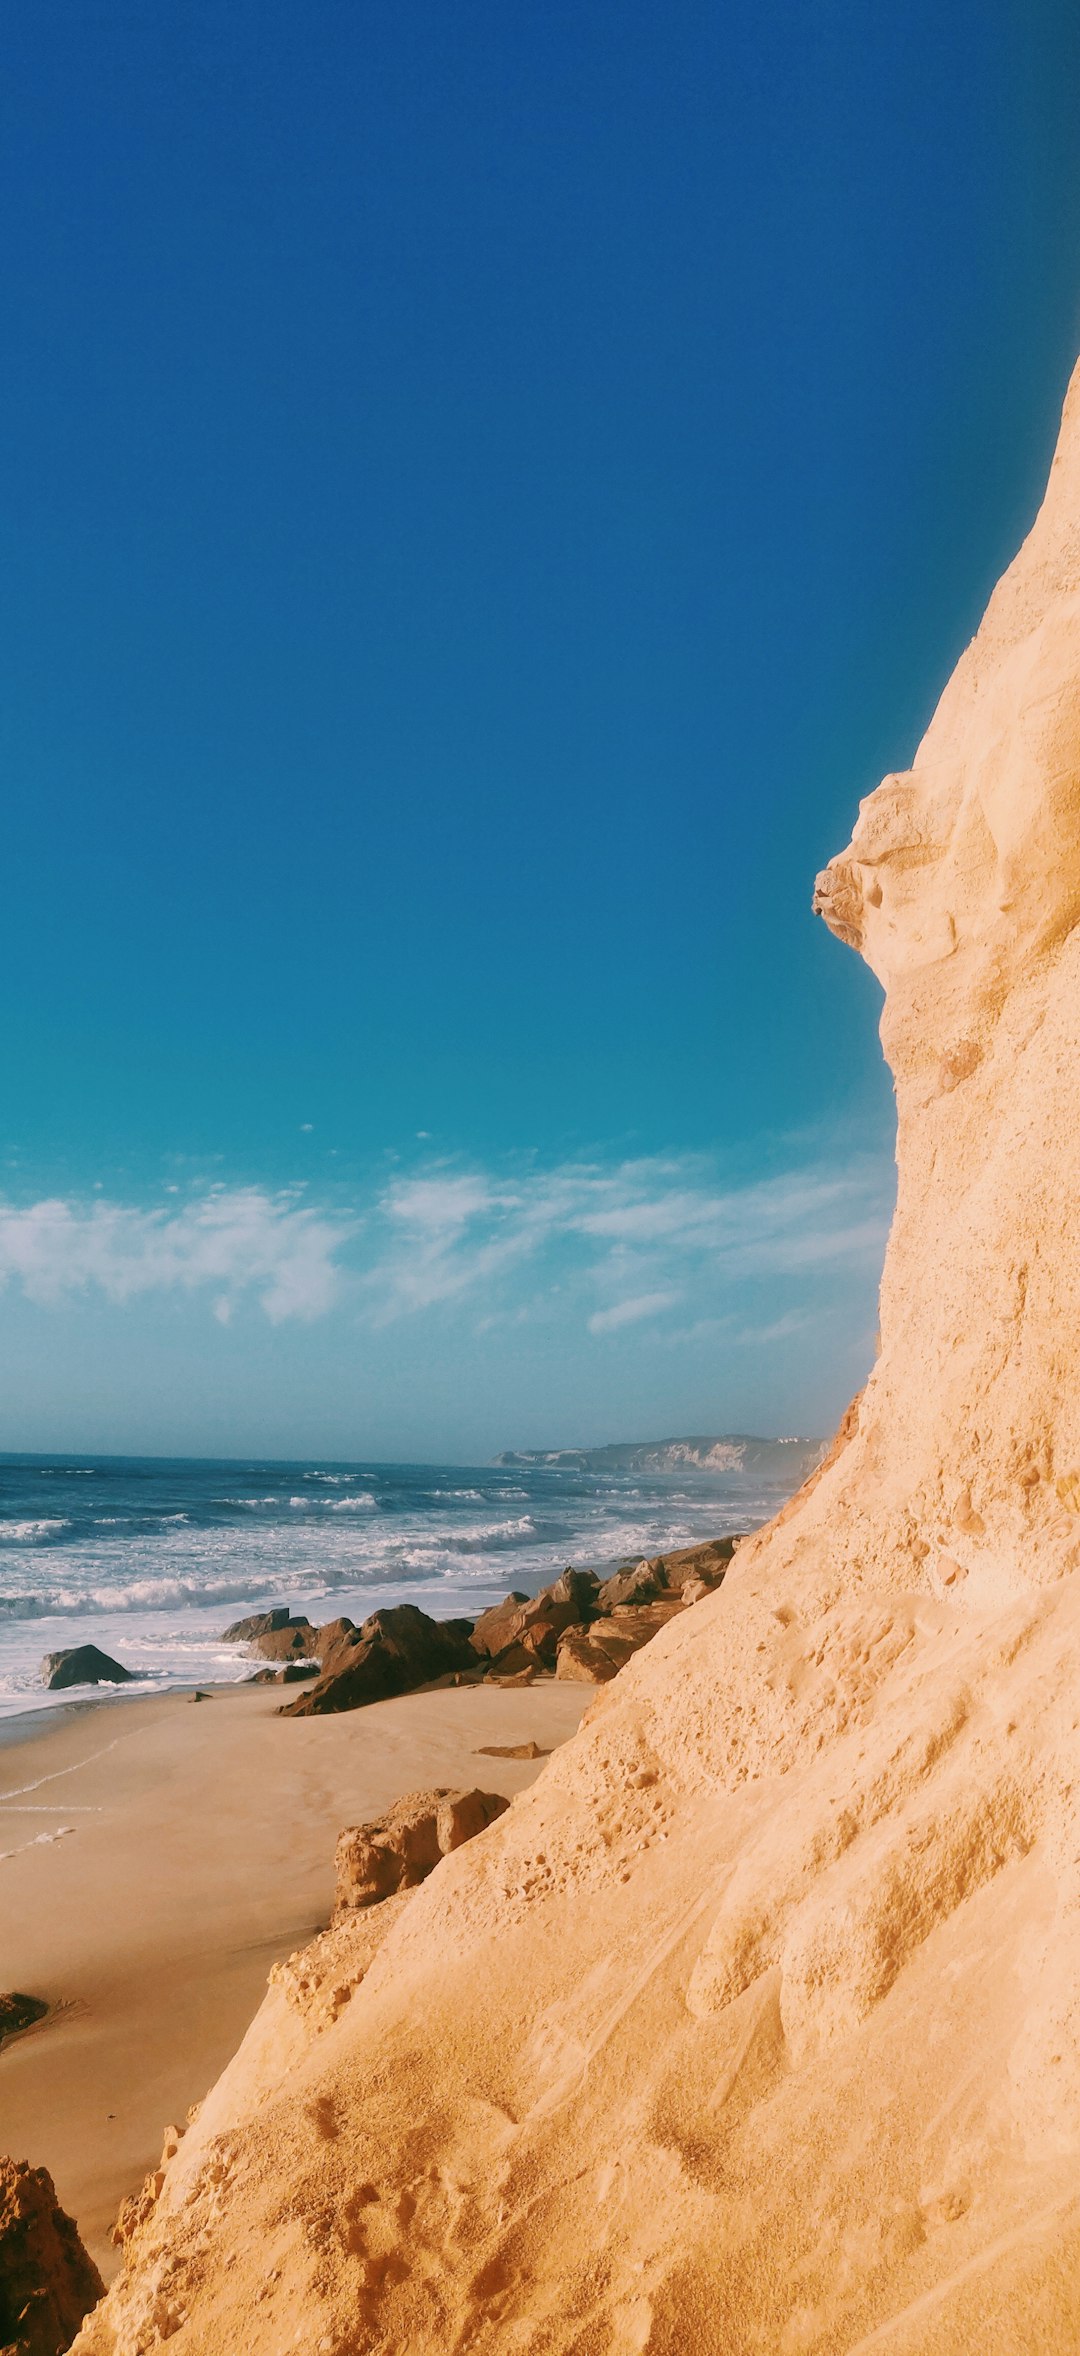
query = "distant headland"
{"x": 725, "y": 1452}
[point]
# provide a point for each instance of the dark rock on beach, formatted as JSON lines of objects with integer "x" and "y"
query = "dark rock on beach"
{"x": 19, "y": 2012}
{"x": 332, "y": 1633}
{"x": 276, "y": 1635}
{"x": 394, "y": 1652}
{"x": 296, "y": 1642}
{"x": 82, "y": 1665}
{"x": 574, "y": 1628}
{"x": 47, "y": 2281}
{"x": 282, "y": 1636}
{"x": 256, "y": 1624}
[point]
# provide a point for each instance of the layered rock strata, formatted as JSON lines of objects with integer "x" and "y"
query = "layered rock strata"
{"x": 754, "y": 2026}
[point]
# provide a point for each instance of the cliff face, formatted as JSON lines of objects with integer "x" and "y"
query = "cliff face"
{"x": 755, "y": 2025}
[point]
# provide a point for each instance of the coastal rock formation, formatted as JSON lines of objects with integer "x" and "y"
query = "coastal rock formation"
{"x": 754, "y": 2026}
{"x": 595, "y": 1654}
{"x": 82, "y": 1664}
{"x": 47, "y": 2281}
{"x": 257, "y": 1624}
{"x": 399, "y": 1850}
{"x": 19, "y": 2012}
{"x": 394, "y": 1652}
{"x": 788, "y": 1460}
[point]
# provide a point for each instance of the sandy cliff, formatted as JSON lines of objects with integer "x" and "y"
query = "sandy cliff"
{"x": 755, "y": 2024}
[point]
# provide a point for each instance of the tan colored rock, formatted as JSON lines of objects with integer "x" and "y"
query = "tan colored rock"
{"x": 47, "y": 2281}
{"x": 510, "y": 1750}
{"x": 754, "y": 2026}
{"x": 396, "y": 1851}
{"x": 491, "y": 1632}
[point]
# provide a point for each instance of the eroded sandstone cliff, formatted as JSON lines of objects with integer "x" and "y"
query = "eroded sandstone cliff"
{"x": 754, "y": 2026}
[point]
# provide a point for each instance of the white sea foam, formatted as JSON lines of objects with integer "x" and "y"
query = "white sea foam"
{"x": 24, "y": 1533}
{"x": 155, "y": 1585}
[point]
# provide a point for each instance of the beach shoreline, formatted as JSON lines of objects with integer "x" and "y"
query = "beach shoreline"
{"x": 158, "y": 1858}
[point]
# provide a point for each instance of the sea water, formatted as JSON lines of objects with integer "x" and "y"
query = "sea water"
{"x": 150, "y": 1558}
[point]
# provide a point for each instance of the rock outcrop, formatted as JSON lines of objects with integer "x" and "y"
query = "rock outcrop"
{"x": 399, "y": 1650}
{"x": 82, "y": 1664}
{"x": 47, "y": 2281}
{"x": 395, "y": 1651}
{"x": 754, "y": 2026}
{"x": 19, "y": 2012}
{"x": 398, "y": 1851}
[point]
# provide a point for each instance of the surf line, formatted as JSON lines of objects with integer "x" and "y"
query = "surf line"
{"x": 20, "y": 1789}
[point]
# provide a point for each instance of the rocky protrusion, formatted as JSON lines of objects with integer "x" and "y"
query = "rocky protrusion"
{"x": 19, "y": 2012}
{"x": 491, "y": 1632}
{"x": 399, "y": 1650}
{"x": 592, "y": 1656}
{"x": 394, "y": 1652}
{"x": 257, "y": 1624}
{"x": 82, "y": 1664}
{"x": 47, "y": 2281}
{"x": 396, "y": 1851}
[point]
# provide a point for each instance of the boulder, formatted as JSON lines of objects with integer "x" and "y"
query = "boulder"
{"x": 708, "y": 1560}
{"x": 330, "y": 1635}
{"x": 297, "y": 1641}
{"x": 19, "y": 2012}
{"x": 510, "y": 1750}
{"x": 595, "y": 1654}
{"x": 256, "y": 1624}
{"x": 512, "y": 1661}
{"x": 638, "y": 1584}
{"x": 396, "y": 1851}
{"x": 580, "y": 1588}
{"x": 83, "y": 1664}
{"x": 293, "y": 1673}
{"x": 539, "y": 1623}
{"x": 490, "y": 1631}
{"x": 583, "y": 1661}
{"x": 394, "y": 1652}
{"x": 47, "y": 2281}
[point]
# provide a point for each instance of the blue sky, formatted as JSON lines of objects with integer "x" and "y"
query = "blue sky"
{"x": 485, "y": 492}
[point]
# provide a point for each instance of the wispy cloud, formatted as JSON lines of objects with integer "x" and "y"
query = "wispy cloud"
{"x": 231, "y": 1240}
{"x": 615, "y": 1244}
{"x": 634, "y": 1231}
{"x": 632, "y": 1312}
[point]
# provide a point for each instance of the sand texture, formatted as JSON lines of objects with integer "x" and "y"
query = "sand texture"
{"x": 196, "y": 1849}
{"x": 753, "y": 2029}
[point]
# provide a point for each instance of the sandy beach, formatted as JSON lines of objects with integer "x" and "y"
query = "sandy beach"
{"x": 156, "y": 1857}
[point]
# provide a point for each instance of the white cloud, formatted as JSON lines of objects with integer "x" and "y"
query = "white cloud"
{"x": 631, "y": 1312}
{"x": 635, "y": 1231}
{"x": 618, "y": 1243}
{"x": 238, "y": 1239}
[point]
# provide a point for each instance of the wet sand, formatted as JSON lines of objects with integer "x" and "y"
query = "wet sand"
{"x": 156, "y": 1857}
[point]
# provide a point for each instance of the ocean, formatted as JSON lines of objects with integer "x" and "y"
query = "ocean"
{"x": 150, "y": 1558}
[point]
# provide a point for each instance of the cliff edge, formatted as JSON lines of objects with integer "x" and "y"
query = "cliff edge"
{"x": 754, "y": 2026}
